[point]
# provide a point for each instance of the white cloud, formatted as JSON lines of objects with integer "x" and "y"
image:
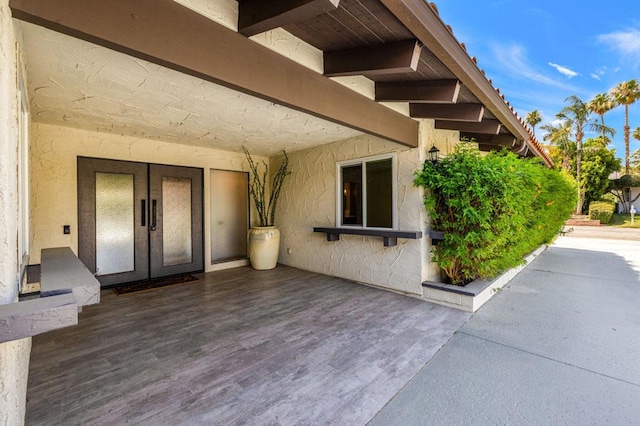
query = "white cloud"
{"x": 563, "y": 70}
{"x": 627, "y": 43}
{"x": 595, "y": 76}
{"x": 513, "y": 59}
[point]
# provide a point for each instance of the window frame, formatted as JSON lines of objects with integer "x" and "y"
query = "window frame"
{"x": 394, "y": 190}
{"x": 23, "y": 174}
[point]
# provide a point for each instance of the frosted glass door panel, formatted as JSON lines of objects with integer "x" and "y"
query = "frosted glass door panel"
{"x": 115, "y": 240}
{"x": 229, "y": 215}
{"x": 175, "y": 234}
{"x": 176, "y": 221}
{"x": 112, "y": 214}
{"x": 138, "y": 221}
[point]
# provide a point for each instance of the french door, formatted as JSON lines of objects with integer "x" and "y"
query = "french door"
{"x": 138, "y": 221}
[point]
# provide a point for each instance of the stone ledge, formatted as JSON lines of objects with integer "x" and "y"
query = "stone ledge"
{"x": 475, "y": 294}
{"x": 66, "y": 286}
{"x": 31, "y": 317}
{"x": 62, "y": 271}
{"x": 389, "y": 236}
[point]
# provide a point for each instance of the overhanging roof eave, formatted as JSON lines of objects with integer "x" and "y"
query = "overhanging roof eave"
{"x": 424, "y": 22}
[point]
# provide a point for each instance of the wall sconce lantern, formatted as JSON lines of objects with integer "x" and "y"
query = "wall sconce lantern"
{"x": 434, "y": 154}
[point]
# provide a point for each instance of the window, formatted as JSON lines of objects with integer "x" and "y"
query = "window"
{"x": 23, "y": 174}
{"x": 366, "y": 192}
{"x": 229, "y": 215}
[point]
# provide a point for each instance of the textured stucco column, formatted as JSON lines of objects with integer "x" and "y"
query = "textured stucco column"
{"x": 14, "y": 356}
{"x": 445, "y": 141}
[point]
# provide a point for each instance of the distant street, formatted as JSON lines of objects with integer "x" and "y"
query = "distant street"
{"x": 604, "y": 232}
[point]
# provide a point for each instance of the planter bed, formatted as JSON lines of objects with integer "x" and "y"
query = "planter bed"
{"x": 475, "y": 294}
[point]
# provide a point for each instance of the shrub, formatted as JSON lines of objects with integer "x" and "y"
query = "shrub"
{"x": 601, "y": 210}
{"x": 493, "y": 210}
{"x": 609, "y": 197}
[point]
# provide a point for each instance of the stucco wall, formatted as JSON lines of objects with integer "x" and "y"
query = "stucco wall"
{"x": 445, "y": 141}
{"x": 291, "y": 47}
{"x": 308, "y": 199}
{"x": 53, "y": 153}
{"x": 14, "y": 356}
{"x": 635, "y": 192}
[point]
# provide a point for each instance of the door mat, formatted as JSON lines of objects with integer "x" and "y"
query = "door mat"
{"x": 153, "y": 284}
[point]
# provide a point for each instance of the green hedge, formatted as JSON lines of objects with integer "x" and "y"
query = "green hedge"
{"x": 601, "y": 210}
{"x": 494, "y": 209}
{"x": 609, "y": 198}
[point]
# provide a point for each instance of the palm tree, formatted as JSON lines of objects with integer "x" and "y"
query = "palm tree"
{"x": 601, "y": 104}
{"x": 533, "y": 119}
{"x": 635, "y": 156}
{"x": 635, "y": 161}
{"x": 625, "y": 94}
{"x": 558, "y": 137}
{"x": 577, "y": 116}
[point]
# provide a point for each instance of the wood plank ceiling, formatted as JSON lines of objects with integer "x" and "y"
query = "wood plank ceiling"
{"x": 357, "y": 38}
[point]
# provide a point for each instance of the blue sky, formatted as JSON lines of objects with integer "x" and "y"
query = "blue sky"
{"x": 538, "y": 53}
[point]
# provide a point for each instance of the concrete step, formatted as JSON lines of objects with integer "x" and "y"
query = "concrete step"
{"x": 582, "y": 222}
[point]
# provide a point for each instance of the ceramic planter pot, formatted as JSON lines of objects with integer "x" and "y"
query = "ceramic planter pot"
{"x": 264, "y": 246}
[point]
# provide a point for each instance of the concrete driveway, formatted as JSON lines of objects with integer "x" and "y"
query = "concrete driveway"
{"x": 559, "y": 345}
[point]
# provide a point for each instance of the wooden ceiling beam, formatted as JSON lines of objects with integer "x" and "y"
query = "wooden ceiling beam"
{"x": 489, "y": 127}
{"x": 485, "y": 147}
{"x": 508, "y": 141}
{"x": 524, "y": 152}
{"x": 387, "y": 58}
{"x": 428, "y": 27}
{"x": 426, "y": 91}
{"x": 258, "y": 16}
{"x": 487, "y": 143}
{"x": 169, "y": 34}
{"x": 454, "y": 112}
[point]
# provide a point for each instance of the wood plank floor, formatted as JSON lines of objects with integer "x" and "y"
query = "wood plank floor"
{"x": 236, "y": 347}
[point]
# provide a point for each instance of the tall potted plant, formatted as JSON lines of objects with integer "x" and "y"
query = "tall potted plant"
{"x": 264, "y": 240}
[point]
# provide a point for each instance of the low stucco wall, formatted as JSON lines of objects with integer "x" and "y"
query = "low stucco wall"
{"x": 53, "y": 154}
{"x": 635, "y": 192}
{"x": 14, "y": 356}
{"x": 14, "y": 372}
{"x": 308, "y": 200}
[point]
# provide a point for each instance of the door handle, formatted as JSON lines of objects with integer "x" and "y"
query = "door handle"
{"x": 143, "y": 210}
{"x": 154, "y": 217}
